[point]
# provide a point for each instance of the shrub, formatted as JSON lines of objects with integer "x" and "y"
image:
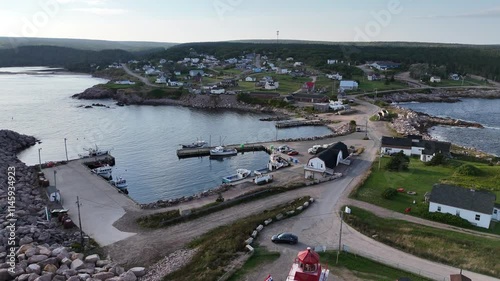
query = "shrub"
{"x": 389, "y": 193}
{"x": 438, "y": 159}
{"x": 468, "y": 170}
{"x": 399, "y": 162}
{"x": 446, "y": 218}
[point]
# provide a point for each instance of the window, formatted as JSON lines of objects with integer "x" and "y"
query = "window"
{"x": 478, "y": 217}
{"x": 439, "y": 208}
{"x": 495, "y": 211}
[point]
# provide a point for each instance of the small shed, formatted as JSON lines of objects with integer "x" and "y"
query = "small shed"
{"x": 53, "y": 194}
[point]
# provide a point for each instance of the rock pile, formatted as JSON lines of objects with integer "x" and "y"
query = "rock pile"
{"x": 168, "y": 265}
{"x": 41, "y": 262}
{"x": 39, "y": 249}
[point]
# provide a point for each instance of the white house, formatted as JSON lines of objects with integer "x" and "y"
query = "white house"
{"x": 384, "y": 65}
{"x": 336, "y": 105}
{"x": 217, "y": 91}
{"x": 476, "y": 206}
{"x": 250, "y": 79}
{"x": 175, "y": 83}
{"x": 325, "y": 162}
{"x": 347, "y": 85}
{"x": 53, "y": 194}
{"x": 281, "y": 70}
{"x": 195, "y": 72}
{"x": 289, "y": 59}
{"x": 161, "y": 80}
{"x": 271, "y": 85}
{"x": 414, "y": 145}
{"x": 336, "y": 76}
{"x": 373, "y": 77}
{"x": 331, "y": 61}
{"x": 435, "y": 79}
{"x": 162, "y": 61}
{"x": 124, "y": 82}
{"x": 454, "y": 77}
{"x": 297, "y": 64}
{"x": 177, "y": 73}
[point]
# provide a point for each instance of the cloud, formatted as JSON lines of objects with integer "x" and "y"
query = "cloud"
{"x": 88, "y": 2}
{"x": 488, "y": 13}
{"x": 101, "y": 11}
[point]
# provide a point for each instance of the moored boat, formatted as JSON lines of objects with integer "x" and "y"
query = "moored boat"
{"x": 93, "y": 152}
{"x": 240, "y": 174}
{"x": 196, "y": 144}
{"x": 121, "y": 184}
{"x": 104, "y": 171}
{"x": 263, "y": 179}
{"x": 222, "y": 151}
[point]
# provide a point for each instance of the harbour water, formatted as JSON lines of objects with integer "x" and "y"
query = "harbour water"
{"x": 144, "y": 139}
{"x": 483, "y": 111}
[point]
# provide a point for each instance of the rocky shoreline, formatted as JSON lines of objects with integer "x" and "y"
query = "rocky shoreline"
{"x": 132, "y": 97}
{"x": 40, "y": 249}
{"x": 439, "y": 95}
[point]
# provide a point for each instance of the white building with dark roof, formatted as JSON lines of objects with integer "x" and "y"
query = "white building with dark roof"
{"x": 476, "y": 206}
{"x": 325, "y": 162}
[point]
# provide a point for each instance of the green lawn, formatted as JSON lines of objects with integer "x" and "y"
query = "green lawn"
{"x": 371, "y": 86}
{"x": 478, "y": 254}
{"x": 117, "y": 86}
{"x": 260, "y": 256}
{"x": 420, "y": 179}
{"x": 364, "y": 268}
{"x": 451, "y": 83}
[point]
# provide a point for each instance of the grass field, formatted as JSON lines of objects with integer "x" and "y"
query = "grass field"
{"x": 451, "y": 83}
{"x": 420, "y": 179}
{"x": 478, "y": 254}
{"x": 372, "y": 86}
{"x": 364, "y": 268}
{"x": 260, "y": 256}
{"x": 218, "y": 247}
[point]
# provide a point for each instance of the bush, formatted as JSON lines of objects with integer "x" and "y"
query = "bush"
{"x": 438, "y": 159}
{"x": 468, "y": 170}
{"x": 446, "y": 218}
{"x": 399, "y": 162}
{"x": 389, "y": 193}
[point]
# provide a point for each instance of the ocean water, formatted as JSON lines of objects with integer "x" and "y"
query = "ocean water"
{"x": 144, "y": 139}
{"x": 483, "y": 111}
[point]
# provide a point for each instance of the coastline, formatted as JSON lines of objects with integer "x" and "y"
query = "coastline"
{"x": 441, "y": 95}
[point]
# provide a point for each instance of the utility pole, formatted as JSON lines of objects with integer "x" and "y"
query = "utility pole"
{"x": 66, "y": 149}
{"x": 340, "y": 235}
{"x": 80, "y": 222}
{"x": 379, "y": 159}
{"x": 40, "y": 159}
{"x": 55, "y": 184}
{"x": 366, "y": 129}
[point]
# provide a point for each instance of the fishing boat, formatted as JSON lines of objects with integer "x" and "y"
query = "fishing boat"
{"x": 121, "y": 184}
{"x": 306, "y": 266}
{"x": 262, "y": 178}
{"x": 240, "y": 174}
{"x": 104, "y": 171}
{"x": 196, "y": 144}
{"x": 222, "y": 151}
{"x": 93, "y": 152}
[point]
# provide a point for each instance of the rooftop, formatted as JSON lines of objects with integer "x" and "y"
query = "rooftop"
{"x": 480, "y": 201}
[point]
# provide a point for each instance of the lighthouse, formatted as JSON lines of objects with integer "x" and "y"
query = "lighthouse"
{"x": 306, "y": 267}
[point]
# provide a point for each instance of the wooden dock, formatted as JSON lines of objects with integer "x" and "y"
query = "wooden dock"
{"x": 205, "y": 151}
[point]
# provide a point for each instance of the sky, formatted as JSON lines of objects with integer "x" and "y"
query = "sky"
{"x": 444, "y": 21}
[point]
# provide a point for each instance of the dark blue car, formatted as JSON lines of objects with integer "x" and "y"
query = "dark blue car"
{"x": 285, "y": 237}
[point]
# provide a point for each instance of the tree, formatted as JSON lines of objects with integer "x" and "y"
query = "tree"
{"x": 392, "y": 78}
{"x": 389, "y": 193}
{"x": 352, "y": 125}
{"x": 399, "y": 162}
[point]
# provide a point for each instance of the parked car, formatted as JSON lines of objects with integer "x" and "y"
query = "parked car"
{"x": 293, "y": 152}
{"x": 285, "y": 237}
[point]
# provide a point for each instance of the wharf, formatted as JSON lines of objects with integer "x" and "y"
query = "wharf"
{"x": 100, "y": 203}
{"x": 205, "y": 151}
{"x": 298, "y": 123}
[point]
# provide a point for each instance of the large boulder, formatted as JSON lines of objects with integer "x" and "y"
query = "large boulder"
{"x": 103, "y": 275}
{"x": 128, "y": 276}
{"x": 44, "y": 251}
{"x": 77, "y": 264}
{"x": 92, "y": 258}
{"x": 50, "y": 268}
{"x": 138, "y": 271}
{"x": 33, "y": 268}
{"x": 25, "y": 240}
{"x": 37, "y": 258}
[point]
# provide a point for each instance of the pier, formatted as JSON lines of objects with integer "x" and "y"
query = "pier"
{"x": 101, "y": 204}
{"x": 205, "y": 151}
{"x": 298, "y": 123}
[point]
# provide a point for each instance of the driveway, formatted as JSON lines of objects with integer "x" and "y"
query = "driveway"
{"x": 141, "y": 78}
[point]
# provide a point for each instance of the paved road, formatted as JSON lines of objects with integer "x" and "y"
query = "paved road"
{"x": 101, "y": 203}
{"x": 320, "y": 225}
{"x": 143, "y": 79}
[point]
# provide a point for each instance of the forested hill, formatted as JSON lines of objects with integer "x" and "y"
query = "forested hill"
{"x": 71, "y": 59}
{"x": 480, "y": 60}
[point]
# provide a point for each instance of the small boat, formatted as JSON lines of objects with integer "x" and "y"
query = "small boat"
{"x": 104, "y": 171}
{"x": 196, "y": 144}
{"x": 262, "y": 179}
{"x": 121, "y": 184}
{"x": 222, "y": 151}
{"x": 93, "y": 152}
{"x": 240, "y": 174}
